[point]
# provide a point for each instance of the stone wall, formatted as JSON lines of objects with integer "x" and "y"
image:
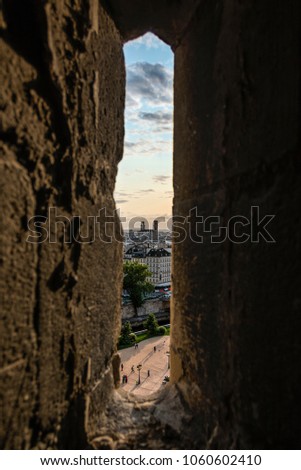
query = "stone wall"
{"x": 149, "y": 306}
{"x": 62, "y": 100}
{"x": 236, "y": 313}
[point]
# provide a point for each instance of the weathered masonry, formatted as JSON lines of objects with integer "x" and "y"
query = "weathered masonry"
{"x": 236, "y": 309}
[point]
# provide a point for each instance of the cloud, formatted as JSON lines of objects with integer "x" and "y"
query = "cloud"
{"x": 161, "y": 179}
{"x": 122, "y": 194}
{"x": 149, "y": 40}
{"x": 147, "y": 148}
{"x": 158, "y": 117}
{"x": 149, "y": 82}
{"x": 148, "y": 130}
{"x": 149, "y": 109}
{"x": 146, "y": 191}
{"x": 130, "y": 145}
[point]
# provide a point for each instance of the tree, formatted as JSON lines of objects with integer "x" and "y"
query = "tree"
{"x": 134, "y": 281}
{"x": 127, "y": 336}
{"x": 162, "y": 330}
{"x": 151, "y": 325}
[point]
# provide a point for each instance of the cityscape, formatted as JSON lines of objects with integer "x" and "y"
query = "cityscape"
{"x": 143, "y": 187}
{"x": 150, "y": 248}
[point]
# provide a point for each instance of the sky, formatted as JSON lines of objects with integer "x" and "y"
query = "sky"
{"x": 144, "y": 180}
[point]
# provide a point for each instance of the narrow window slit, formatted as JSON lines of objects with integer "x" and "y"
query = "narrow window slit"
{"x": 143, "y": 196}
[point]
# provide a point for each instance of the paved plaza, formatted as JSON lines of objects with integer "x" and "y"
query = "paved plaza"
{"x": 154, "y": 361}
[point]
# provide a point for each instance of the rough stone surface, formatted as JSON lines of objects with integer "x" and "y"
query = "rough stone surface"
{"x": 168, "y": 19}
{"x": 149, "y": 306}
{"x": 236, "y": 311}
{"x": 156, "y": 423}
{"x": 62, "y": 100}
{"x": 236, "y": 308}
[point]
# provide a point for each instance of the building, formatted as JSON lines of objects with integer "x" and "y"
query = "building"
{"x": 158, "y": 261}
{"x": 153, "y": 252}
{"x": 151, "y": 234}
{"x": 135, "y": 252}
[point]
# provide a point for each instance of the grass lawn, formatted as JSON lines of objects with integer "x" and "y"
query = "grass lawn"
{"x": 142, "y": 337}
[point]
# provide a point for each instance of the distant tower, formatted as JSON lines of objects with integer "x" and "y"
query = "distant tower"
{"x": 142, "y": 229}
{"x": 156, "y": 231}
